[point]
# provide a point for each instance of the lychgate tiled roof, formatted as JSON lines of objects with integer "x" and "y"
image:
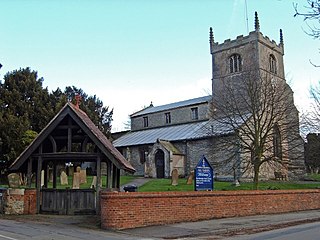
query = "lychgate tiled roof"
{"x": 103, "y": 139}
{"x": 88, "y": 126}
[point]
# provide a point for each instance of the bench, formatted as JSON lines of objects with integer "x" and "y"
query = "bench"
{"x": 279, "y": 175}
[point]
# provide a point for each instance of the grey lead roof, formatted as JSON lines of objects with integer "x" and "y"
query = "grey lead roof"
{"x": 181, "y": 132}
{"x": 172, "y": 105}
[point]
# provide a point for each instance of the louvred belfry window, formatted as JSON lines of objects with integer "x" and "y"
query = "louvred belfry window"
{"x": 235, "y": 63}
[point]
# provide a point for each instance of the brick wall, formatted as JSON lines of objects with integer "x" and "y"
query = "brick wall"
{"x": 20, "y": 201}
{"x": 30, "y": 201}
{"x": 129, "y": 210}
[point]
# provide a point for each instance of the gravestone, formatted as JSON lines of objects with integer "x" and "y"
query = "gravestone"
{"x": 50, "y": 175}
{"x": 190, "y": 178}
{"x": 70, "y": 171}
{"x": 174, "y": 177}
{"x": 42, "y": 178}
{"x": 94, "y": 182}
{"x": 14, "y": 180}
{"x": 83, "y": 176}
{"x": 104, "y": 168}
{"x": 63, "y": 178}
{"x": 76, "y": 180}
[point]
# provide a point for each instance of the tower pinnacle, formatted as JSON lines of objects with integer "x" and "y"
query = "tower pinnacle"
{"x": 256, "y": 22}
{"x": 211, "y": 39}
{"x": 281, "y": 37}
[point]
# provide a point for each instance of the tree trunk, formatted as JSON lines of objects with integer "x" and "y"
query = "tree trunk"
{"x": 256, "y": 177}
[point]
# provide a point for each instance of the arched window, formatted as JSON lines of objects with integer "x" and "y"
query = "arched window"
{"x": 277, "y": 149}
{"x": 272, "y": 64}
{"x": 235, "y": 63}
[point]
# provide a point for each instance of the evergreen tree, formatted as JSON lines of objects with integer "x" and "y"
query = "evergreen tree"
{"x": 24, "y": 106}
{"x": 312, "y": 152}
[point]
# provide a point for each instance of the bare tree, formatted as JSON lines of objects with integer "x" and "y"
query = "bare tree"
{"x": 311, "y": 15}
{"x": 310, "y": 120}
{"x": 259, "y": 108}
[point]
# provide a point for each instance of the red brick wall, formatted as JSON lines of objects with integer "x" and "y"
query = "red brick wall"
{"x": 20, "y": 201}
{"x": 135, "y": 209}
{"x": 30, "y": 201}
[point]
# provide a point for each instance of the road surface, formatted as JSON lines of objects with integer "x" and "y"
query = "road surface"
{"x": 23, "y": 230}
{"x": 309, "y": 231}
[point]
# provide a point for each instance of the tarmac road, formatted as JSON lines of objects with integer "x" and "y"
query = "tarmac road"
{"x": 308, "y": 231}
{"x": 54, "y": 228}
{"x": 57, "y": 227}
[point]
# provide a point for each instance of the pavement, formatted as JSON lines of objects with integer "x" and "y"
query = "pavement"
{"x": 224, "y": 228}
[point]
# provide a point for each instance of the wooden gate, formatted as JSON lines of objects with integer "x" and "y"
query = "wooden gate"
{"x": 68, "y": 201}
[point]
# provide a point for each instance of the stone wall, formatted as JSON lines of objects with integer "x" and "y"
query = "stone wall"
{"x": 130, "y": 210}
{"x": 20, "y": 201}
{"x": 178, "y": 116}
{"x": 212, "y": 148}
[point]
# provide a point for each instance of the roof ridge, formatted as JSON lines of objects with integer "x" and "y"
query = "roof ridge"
{"x": 172, "y": 105}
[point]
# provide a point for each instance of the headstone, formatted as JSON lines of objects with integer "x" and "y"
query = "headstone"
{"x": 190, "y": 178}
{"x": 63, "y": 178}
{"x": 94, "y": 182}
{"x": 50, "y": 174}
{"x": 83, "y": 176}
{"x": 76, "y": 180}
{"x": 174, "y": 177}
{"x": 78, "y": 169}
{"x": 70, "y": 171}
{"x": 14, "y": 180}
{"x": 104, "y": 168}
{"x": 42, "y": 178}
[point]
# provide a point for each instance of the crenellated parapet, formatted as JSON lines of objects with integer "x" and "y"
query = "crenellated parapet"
{"x": 253, "y": 36}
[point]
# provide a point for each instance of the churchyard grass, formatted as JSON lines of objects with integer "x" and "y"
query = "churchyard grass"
{"x": 314, "y": 177}
{"x": 162, "y": 185}
{"x": 123, "y": 180}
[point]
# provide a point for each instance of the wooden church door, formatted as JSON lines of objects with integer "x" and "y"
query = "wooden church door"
{"x": 159, "y": 159}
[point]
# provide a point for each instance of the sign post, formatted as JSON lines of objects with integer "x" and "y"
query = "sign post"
{"x": 203, "y": 175}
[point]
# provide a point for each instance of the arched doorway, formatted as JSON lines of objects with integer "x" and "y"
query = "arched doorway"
{"x": 159, "y": 160}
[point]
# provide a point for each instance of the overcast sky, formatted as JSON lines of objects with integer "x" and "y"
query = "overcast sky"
{"x": 132, "y": 52}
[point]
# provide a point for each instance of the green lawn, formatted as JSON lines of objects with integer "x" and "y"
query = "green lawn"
{"x": 123, "y": 180}
{"x": 161, "y": 185}
{"x": 314, "y": 176}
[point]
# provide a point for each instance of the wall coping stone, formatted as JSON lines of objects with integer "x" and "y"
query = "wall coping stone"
{"x": 105, "y": 194}
{"x": 15, "y": 191}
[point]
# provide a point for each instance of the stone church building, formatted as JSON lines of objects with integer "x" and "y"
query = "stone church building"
{"x": 176, "y": 135}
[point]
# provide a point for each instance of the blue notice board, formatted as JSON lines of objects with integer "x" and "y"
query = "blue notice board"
{"x": 203, "y": 175}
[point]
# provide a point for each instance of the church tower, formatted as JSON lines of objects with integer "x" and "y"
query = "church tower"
{"x": 246, "y": 53}
{"x": 255, "y": 56}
